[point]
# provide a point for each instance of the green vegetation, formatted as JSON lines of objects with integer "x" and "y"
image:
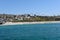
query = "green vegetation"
{"x": 28, "y": 18}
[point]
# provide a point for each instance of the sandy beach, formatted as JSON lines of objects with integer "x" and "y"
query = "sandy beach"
{"x": 21, "y": 23}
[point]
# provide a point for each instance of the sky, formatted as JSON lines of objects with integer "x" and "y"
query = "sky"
{"x": 39, "y": 7}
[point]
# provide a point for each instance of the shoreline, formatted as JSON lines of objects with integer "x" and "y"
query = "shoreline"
{"x": 21, "y": 23}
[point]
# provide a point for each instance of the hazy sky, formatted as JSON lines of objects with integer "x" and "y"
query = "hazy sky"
{"x": 39, "y": 7}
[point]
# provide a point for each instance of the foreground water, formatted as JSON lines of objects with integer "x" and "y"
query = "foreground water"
{"x": 30, "y": 32}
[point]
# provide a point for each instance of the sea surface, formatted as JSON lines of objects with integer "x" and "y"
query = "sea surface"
{"x": 49, "y": 31}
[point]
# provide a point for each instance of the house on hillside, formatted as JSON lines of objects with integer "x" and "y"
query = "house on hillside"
{"x": 2, "y": 21}
{"x": 19, "y": 17}
{"x": 27, "y": 16}
{"x": 57, "y": 18}
{"x": 22, "y": 17}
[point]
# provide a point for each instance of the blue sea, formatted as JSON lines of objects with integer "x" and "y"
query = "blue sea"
{"x": 46, "y": 31}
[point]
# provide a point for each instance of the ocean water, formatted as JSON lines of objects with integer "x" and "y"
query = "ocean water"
{"x": 30, "y": 32}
